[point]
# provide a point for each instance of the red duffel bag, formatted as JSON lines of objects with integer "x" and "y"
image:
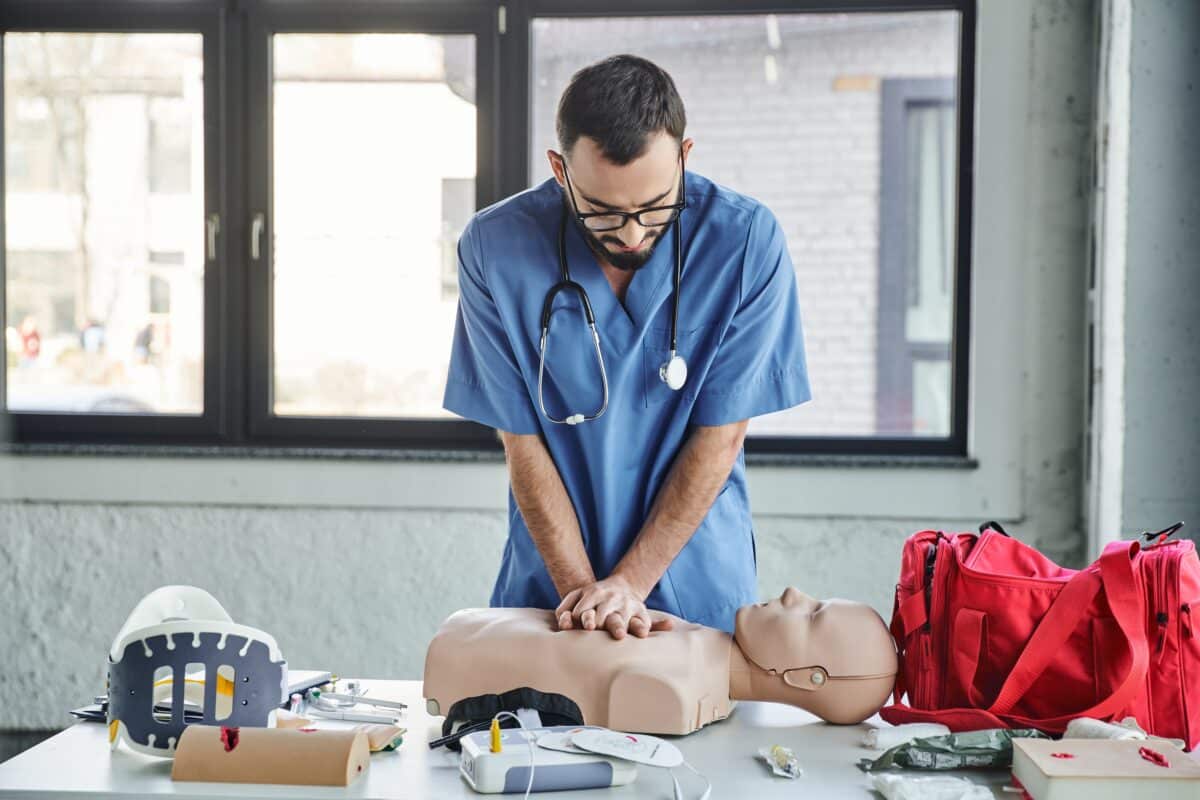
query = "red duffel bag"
{"x": 991, "y": 633}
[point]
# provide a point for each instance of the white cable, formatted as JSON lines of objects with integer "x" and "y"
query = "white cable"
{"x": 528, "y": 741}
{"x": 707, "y": 783}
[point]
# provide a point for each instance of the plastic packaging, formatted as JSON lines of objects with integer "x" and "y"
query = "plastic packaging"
{"x": 991, "y": 748}
{"x": 781, "y": 760}
{"x": 889, "y": 737}
{"x": 928, "y": 787}
{"x": 1088, "y": 728}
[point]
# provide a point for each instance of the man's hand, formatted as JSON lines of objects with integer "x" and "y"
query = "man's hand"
{"x": 611, "y": 604}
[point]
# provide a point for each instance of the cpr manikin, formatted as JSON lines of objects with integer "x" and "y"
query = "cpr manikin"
{"x": 834, "y": 658}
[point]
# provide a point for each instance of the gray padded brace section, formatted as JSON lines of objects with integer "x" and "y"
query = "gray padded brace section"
{"x": 259, "y": 684}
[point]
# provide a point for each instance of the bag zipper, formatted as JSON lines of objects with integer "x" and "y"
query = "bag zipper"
{"x": 930, "y": 566}
{"x": 927, "y": 676}
{"x": 1162, "y": 616}
{"x": 1185, "y": 625}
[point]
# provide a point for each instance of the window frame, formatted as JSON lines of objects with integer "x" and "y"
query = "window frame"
{"x": 238, "y": 373}
{"x": 265, "y": 19}
{"x": 205, "y": 17}
{"x": 897, "y": 355}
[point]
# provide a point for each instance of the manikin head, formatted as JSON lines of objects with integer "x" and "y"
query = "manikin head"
{"x": 835, "y": 658}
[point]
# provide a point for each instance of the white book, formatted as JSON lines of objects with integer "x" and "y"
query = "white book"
{"x": 1103, "y": 769}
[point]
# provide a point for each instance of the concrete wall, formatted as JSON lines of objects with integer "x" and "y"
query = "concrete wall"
{"x": 1162, "y": 282}
{"x": 351, "y": 565}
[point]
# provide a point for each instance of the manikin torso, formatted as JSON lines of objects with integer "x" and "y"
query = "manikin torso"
{"x": 834, "y": 658}
{"x": 673, "y": 681}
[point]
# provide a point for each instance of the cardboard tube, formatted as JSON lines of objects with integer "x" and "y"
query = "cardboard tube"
{"x": 270, "y": 755}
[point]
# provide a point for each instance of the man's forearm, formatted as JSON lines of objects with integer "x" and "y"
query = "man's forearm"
{"x": 699, "y": 472}
{"x": 546, "y": 508}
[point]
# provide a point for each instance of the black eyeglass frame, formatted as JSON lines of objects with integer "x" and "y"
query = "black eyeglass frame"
{"x": 675, "y": 208}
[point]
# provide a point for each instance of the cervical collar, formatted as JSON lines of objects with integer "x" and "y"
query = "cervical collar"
{"x": 179, "y": 648}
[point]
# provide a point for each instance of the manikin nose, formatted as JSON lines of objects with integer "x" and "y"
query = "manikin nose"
{"x": 794, "y": 597}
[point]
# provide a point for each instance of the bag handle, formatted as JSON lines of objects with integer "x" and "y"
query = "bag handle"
{"x": 1120, "y": 588}
{"x": 970, "y": 641}
{"x": 1154, "y": 537}
{"x": 1063, "y": 616}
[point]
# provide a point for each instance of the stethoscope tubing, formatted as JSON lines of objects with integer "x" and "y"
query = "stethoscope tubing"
{"x": 566, "y": 284}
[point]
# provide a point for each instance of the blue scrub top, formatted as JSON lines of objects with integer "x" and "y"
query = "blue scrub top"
{"x": 739, "y": 329}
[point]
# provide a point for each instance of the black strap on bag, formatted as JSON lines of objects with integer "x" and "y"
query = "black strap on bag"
{"x": 1163, "y": 535}
{"x": 991, "y": 523}
{"x": 475, "y": 713}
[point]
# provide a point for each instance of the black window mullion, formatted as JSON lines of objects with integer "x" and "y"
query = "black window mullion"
{"x": 965, "y": 187}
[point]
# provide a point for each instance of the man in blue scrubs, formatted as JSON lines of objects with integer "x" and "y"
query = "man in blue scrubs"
{"x": 645, "y": 506}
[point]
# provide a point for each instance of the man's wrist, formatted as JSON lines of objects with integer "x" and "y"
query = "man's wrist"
{"x": 567, "y": 585}
{"x": 636, "y": 583}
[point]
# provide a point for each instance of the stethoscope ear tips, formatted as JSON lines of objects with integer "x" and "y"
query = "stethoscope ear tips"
{"x": 674, "y": 372}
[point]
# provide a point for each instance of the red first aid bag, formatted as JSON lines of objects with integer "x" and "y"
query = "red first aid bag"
{"x": 992, "y": 634}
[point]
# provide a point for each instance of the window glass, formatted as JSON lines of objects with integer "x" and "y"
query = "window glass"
{"x": 374, "y": 178}
{"x": 104, "y": 165}
{"x": 786, "y": 108}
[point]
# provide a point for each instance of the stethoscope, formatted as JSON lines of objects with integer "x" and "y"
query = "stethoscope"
{"x": 672, "y": 372}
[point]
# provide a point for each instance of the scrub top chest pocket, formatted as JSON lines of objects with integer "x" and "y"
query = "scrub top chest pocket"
{"x": 656, "y": 350}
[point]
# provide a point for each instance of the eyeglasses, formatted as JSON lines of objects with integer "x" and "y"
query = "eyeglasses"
{"x": 655, "y": 217}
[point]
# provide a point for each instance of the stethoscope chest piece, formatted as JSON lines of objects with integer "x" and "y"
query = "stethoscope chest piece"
{"x": 674, "y": 371}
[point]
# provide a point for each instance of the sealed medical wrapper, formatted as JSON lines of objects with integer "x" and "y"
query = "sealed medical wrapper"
{"x": 989, "y": 748}
{"x": 889, "y": 737}
{"x": 781, "y": 760}
{"x": 928, "y": 787}
{"x": 304, "y": 756}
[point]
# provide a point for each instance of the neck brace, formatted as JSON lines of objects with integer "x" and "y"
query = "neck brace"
{"x": 180, "y": 648}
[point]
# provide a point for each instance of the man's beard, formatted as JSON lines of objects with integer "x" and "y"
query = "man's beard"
{"x": 626, "y": 262}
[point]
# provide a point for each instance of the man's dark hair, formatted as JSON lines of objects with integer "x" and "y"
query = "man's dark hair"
{"x": 620, "y": 102}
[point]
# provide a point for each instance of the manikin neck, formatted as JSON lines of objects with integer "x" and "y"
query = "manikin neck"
{"x": 748, "y": 681}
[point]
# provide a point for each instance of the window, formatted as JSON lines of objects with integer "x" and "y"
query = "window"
{"x": 788, "y": 108}
{"x": 84, "y": 203}
{"x": 368, "y": 128}
{"x": 240, "y": 226}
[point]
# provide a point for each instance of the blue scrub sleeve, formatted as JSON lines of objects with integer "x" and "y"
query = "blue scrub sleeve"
{"x": 760, "y": 366}
{"x": 484, "y": 382}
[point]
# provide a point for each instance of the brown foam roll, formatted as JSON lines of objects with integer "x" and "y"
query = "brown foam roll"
{"x": 270, "y": 755}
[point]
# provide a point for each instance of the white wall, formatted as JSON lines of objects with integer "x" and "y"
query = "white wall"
{"x": 352, "y": 564}
{"x": 1161, "y": 482}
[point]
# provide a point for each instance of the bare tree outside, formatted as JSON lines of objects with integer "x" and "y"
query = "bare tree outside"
{"x": 103, "y": 267}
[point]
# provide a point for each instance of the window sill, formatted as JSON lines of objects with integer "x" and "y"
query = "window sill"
{"x": 922, "y": 488}
{"x": 475, "y": 456}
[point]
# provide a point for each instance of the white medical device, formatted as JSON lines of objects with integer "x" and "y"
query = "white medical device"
{"x": 554, "y": 770}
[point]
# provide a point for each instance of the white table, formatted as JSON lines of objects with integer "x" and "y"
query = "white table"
{"x": 77, "y": 763}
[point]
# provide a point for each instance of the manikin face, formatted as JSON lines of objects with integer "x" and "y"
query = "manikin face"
{"x": 788, "y": 621}
{"x": 651, "y": 179}
{"x": 796, "y": 630}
